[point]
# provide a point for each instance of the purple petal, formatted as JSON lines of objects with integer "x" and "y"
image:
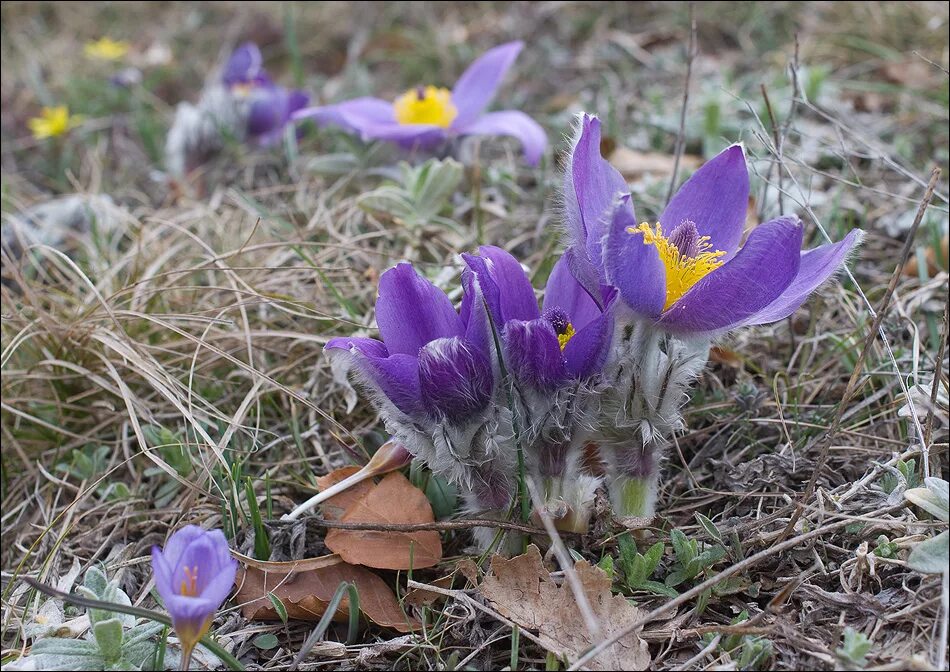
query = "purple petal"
{"x": 511, "y": 123}
{"x": 632, "y": 266}
{"x": 395, "y": 376}
{"x": 565, "y": 292}
{"x": 751, "y": 280}
{"x": 476, "y": 88}
{"x": 504, "y": 283}
{"x": 405, "y": 135}
{"x": 189, "y": 615}
{"x": 353, "y": 115}
{"x": 244, "y": 65}
{"x": 455, "y": 379}
{"x": 533, "y": 353}
{"x": 269, "y": 111}
{"x": 296, "y": 100}
{"x": 179, "y": 541}
{"x": 162, "y": 572}
{"x": 586, "y": 274}
{"x": 715, "y": 199}
{"x": 817, "y": 266}
{"x": 220, "y": 585}
{"x": 411, "y": 311}
{"x": 592, "y": 189}
{"x": 586, "y": 352}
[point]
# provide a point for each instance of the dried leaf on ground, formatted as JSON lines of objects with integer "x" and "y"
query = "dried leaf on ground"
{"x": 633, "y": 164}
{"x": 394, "y": 500}
{"x": 522, "y": 589}
{"x": 306, "y": 588}
{"x": 336, "y": 506}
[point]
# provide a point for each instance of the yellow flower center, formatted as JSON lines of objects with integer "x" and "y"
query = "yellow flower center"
{"x": 52, "y": 122}
{"x": 427, "y": 105}
{"x": 189, "y": 585}
{"x": 688, "y": 257}
{"x": 107, "y": 49}
{"x": 568, "y": 334}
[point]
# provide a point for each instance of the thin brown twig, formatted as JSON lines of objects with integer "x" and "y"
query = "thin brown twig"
{"x": 681, "y": 135}
{"x": 858, "y": 370}
{"x": 465, "y": 524}
{"x": 938, "y": 371}
{"x": 714, "y": 580}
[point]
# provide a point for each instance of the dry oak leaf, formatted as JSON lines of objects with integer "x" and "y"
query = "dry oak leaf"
{"x": 306, "y": 587}
{"x": 522, "y": 590}
{"x": 394, "y": 500}
{"x": 336, "y": 506}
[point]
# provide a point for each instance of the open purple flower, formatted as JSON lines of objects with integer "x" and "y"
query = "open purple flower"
{"x": 433, "y": 377}
{"x": 425, "y": 116}
{"x": 193, "y": 574}
{"x": 687, "y": 273}
{"x": 554, "y": 357}
{"x": 269, "y": 107}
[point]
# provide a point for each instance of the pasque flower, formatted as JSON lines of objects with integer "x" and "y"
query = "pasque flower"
{"x": 426, "y": 115}
{"x": 269, "y": 107}
{"x": 553, "y": 357}
{"x": 434, "y": 378}
{"x": 194, "y": 574}
{"x": 681, "y": 282}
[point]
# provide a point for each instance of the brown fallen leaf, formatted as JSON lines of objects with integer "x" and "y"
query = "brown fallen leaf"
{"x": 336, "y": 506}
{"x": 394, "y": 500}
{"x": 522, "y": 590}
{"x": 912, "y": 267}
{"x": 307, "y": 586}
{"x": 634, "y": 164}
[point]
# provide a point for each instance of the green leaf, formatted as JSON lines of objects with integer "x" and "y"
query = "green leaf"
{"x": 278, "y": 607}
{"x": 109, "y": 638}
{"x": 931, "y": 556}
{"x": 442, "y": 495}
{"x": 266, "y": 641}
{"x": 709, "y": 526}
{"x": 261, "y": 542}
{"x": 653, "y": 556}
{"x": 684, "y": 549}
{"x": 607, "y": 564}
{"x": 676, "y": 577}
{"x": 710, "y": 556}
{"x": 933, "y": 499}
{"x": 658, "y": 588}
{"x": 855, "y": 647}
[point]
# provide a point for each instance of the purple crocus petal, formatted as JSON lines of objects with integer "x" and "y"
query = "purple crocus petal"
{"x": 179, "y": 541}
{"x": 411, "y": 311}
{"x": 244, "y": 65}
{"x": 504, "y": 283}
{"x": 595, "y": 185}
{"x": 511, "y": 123}
{"x": 632, "y": 266}
{"x": 586, "y": 352}
{"x": 533, "y": 353}
{"x": 565, "y": 292}
{"x": 476, "y": 88}
{"x": 715, "y": 199}
{"x": 396, "y": 376}
{"x": 756, "y": 276}
{"x": 353, "y": 115}
{"x": 817, "y": 266}
{"x": 455, "y": 379}
{"x": 162, "y": 571}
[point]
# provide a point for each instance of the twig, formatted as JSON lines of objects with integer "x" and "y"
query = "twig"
{"x": 778, "y": 149}
{"x": 858, "y": 370}
{"x": 681, "y": 135}
{"x": 564, "y": 560}
{"x": 938, "y": 371}
{"x": 712, "y": 581}
{"x": 466, "y": 524}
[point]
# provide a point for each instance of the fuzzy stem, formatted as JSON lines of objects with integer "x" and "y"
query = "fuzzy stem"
{"x": 633, "y": 499}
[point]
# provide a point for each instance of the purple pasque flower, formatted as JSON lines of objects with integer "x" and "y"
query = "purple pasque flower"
{"x": 194, "y": 574}
{"x": 434, "y": 378}
{"x": 553, "y": 357}
{"x": 687, "y": 273}
{"x": 425, "y": 116}
{"x": 267, "y": 106}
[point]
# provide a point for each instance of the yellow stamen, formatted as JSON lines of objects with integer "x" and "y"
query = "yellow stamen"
{"x": 426, "y": 105}
{"x": 189, "y": 585}
{"x": 682, "y": 272}
{"x": 52, "y": 122}
{"x": 568, "y": 334}
{"x": 107, "y": 49}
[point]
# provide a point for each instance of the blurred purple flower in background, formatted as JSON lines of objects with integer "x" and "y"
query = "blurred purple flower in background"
{"x": 427, "y": 115}
{"x": 194, "y": 574}
{"x": 269, "y": 106}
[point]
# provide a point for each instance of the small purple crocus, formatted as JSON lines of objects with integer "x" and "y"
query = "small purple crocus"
{"x": 194, "y": 574}
{"x": 425, "y": 116}
{"x": 687, "y": 273}
{"x": 269, "y": 107}
{"x": 434, "y": 379}
{"x": 554, "y": 357}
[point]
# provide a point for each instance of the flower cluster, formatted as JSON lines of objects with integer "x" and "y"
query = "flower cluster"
{"x": 626, "y": 322}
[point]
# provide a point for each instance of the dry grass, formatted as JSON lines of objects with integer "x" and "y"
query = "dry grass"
{"x": 203, "y": 310}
